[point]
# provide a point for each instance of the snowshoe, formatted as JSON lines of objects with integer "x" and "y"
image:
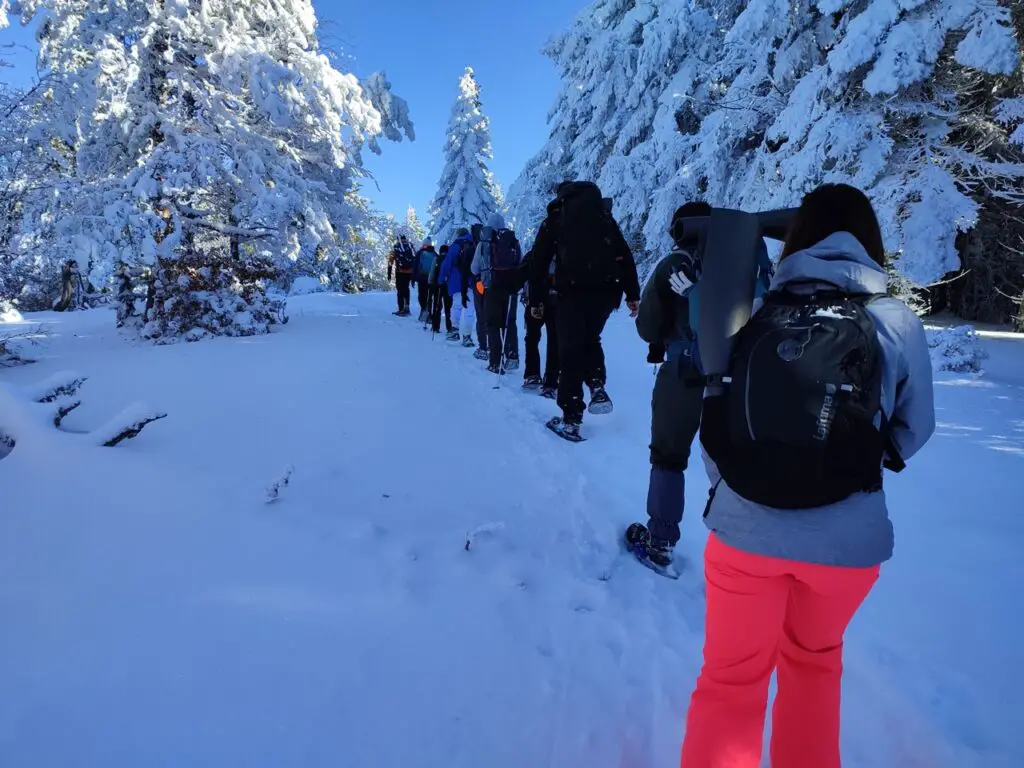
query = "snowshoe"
{"x": 481, "y": 354}
{"x": 569, "y": 432}
{"x": 496, "y": 370}
{"x": 531, "y": 382}
{"x": 467, "y": 342}
{"x": 453, "y": 336}
{"x": 424, "y": 316}
{"x": 511, "y": 363}
{"x": 600, "y": 403}
{"x": 645, "y": 549}
{"x": 551, "y": 393}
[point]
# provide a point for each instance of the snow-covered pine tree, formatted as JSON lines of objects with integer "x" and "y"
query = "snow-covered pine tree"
{"x": 755, "y": 103}
{"x": 414, "y": 227}
{"x": 467, "y": 192}
{"x": 215, "y": 150}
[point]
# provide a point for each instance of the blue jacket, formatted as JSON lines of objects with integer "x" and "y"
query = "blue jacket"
{"x": 424, "y": 261}
{"x": 451, "y": 271}
{"x": 856, "y": 532}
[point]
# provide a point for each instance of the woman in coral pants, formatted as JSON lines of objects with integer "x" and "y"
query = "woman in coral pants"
{"x": 783, "y": 584}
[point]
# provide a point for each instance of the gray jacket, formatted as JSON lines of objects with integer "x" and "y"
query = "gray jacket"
{"x": 481, "y": 266}
{"x": 856, "y": 532}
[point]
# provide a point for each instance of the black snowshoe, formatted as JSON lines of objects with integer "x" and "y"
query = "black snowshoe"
{"x": 532, "y": 382}
{"x": 511, "y": 363}
{"x": 653, "y": 553}
{"x": 482, "y": 354}
{"x": 497, "y": 370}
{"x": 569, "y": 432}
{"x": 551, "y": 393}
{"x": 453, "y": 336}
{"x": 600, "y": 403}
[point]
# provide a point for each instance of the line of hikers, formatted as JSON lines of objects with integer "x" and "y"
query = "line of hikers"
{"x": 573, "y": 278}
{"x": 828, "y": 383}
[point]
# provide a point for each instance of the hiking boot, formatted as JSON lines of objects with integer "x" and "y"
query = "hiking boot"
{"x": 467, "y": 342}
{"x": 424, "y": 316}
{"x": 481, "y": 354}
{"x": 511, "y": 363}
{"x": 551, "y": 393}
{"x": 659, "y": 551}
{"x": 600, "y": 403}
{"x": 497, "y": 370}
{"x": 531, "y": 382}
{"x": 453, "y": 336}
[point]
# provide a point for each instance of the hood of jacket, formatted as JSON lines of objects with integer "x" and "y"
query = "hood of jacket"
{"x": 839, "y": 260}
{"x": 496, "y": 222}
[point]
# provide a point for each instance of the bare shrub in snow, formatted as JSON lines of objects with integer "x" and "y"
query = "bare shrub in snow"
{"x": 957, "y": 349}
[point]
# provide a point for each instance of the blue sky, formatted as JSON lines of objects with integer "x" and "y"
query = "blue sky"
{"x": 424, "y": 45}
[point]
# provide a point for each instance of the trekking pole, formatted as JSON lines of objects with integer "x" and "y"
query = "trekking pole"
{"x": 504, "y": 335}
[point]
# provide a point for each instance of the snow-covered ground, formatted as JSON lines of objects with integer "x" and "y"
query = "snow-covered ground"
{"x": 156, "y": 611}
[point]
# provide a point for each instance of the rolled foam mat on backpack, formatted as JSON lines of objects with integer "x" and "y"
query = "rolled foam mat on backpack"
{"x": 726, "y": 284}
{"x": 775, "y": 224}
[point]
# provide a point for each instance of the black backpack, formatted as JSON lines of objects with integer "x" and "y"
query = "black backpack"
{"x": 506, "y": 257}
{"x": 795, "y": 425}
{"x": 586, "y": 251}
{"x": 404, "y": 255}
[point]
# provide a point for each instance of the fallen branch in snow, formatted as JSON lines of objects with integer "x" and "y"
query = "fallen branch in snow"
{"x": 61, "y": 384}
{"x": 11, "y": 353}
{"x": 126, "y": 425}
{"x": 486, "y": 529}
{"x": 63, "y": 410}
{"x": 274, "y": 491}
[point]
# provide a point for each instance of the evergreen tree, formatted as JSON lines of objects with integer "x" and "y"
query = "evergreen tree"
{"x": 467, "y": 192}
{"x": 414, "y": 227}
{"x": 752, "y": 104}
{"x": 214, "y": 150}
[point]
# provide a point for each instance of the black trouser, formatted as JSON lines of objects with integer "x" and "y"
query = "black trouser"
{"x": 480, "y": 310}
{"x": 581, "y": 320}
{"x": 500, "y": 306}
{"x": 441, "y": 299}
{"x": 533, "y": 329}
{"x": 423, "y": 295}
{"x": 675, "y": 419}
{"x": 402, "y": 280}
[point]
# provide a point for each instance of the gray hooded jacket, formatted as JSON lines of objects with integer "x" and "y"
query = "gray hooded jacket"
{"x": 481, "y": 266}
{"x": 855, "y": 532}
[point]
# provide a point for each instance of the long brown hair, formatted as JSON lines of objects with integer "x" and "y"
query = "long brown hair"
{"x": 835, "y": 208}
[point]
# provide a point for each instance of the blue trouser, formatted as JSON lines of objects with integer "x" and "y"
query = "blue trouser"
{"x": 675, "y": 420}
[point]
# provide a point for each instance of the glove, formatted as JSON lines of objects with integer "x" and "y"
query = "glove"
{"x": 634, "y": 308}
{"x": 537, "y": 312}
{"x": 655, "y": 354}
{"x": 680, "y": 283}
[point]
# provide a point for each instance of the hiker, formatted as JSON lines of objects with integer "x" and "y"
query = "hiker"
{"x": 593, "y": 268}
{"x": 439, "y": 296}
{"x": 798, "y": 518}
{"x": 455, "y": 274}
{"x": 532, "y": 379}
{"x": 497, "y": 263}
{"x": 425, "y": 258}
{"x": 478, "y": 291}
{"x": 403, "y": 259}
{"x": 668, "y": 320}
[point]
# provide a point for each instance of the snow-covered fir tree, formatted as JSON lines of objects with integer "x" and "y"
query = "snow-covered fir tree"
{"x": 213, "y": 149}
{"x": 752, "y": 104}
{"x": 414, "y": 227}
{"x": 467, "y": 192}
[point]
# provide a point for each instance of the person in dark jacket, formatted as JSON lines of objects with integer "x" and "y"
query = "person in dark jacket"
{"x": 584, "y": 302}
{"x": 532, "y": 379}
{"x": 425, "y": 258}
{"x": 403, "y": 260}
{"x": 500, "y": 292}
{"x": 440, "y": 299}
{"x": 664, "y": 322}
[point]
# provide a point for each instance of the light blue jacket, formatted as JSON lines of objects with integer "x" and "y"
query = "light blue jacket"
{"x": 855, "y": 532}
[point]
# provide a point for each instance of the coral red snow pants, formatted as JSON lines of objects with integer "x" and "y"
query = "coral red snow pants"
{"x": 766, "y": 614}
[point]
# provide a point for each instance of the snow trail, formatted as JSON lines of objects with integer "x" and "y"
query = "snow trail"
{"x": 157, "y": 609}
